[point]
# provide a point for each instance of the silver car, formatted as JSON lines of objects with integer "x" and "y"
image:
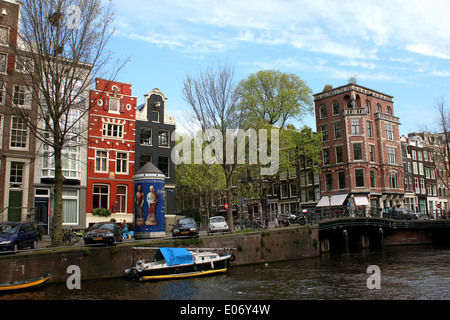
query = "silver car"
{"x": 217, "y": 224}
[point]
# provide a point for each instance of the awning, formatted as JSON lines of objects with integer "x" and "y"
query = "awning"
{"x": 361, "y": 201}
{"x": 336, "y": 200}
{"x": 324, "y": 202}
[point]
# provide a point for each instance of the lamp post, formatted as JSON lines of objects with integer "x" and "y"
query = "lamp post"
{"x": 329, "y": 202}
{"x": 264, "y": 187}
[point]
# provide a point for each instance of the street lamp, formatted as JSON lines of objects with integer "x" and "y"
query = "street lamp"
{"x": 265, "y": 186}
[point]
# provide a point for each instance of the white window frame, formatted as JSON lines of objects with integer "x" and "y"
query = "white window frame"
{"x": 122, "y": 163}
{"x": 101, "y": 159}
{"x": 22, "y": 130}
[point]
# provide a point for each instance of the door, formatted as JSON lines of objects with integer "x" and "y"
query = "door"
{"x": 15, "y": 205}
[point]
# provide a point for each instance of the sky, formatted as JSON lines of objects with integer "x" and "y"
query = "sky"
{"x": 400, "y": 48}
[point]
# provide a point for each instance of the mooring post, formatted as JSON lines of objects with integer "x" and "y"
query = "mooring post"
{"x": 345, "y": 246}
{"x": 381, "y": 237}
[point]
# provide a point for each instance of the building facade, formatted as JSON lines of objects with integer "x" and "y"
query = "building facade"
{"x": 154, "y": 131}
{"x": 424, "y": 192}
{"x": 17, "y": 144}
{"x": 361, "y": 154}
{"x": 111, "y": 151}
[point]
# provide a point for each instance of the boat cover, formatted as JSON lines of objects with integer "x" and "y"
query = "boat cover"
{"x": 175, "y": 256}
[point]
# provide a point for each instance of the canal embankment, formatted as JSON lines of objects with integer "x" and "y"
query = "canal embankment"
{"x": 97, "y": 262}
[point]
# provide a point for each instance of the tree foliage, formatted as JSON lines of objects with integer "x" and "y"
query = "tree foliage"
{"x": 274, "y": 97}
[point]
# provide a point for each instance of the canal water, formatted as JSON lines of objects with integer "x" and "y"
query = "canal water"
{"x": 405, "y": 273}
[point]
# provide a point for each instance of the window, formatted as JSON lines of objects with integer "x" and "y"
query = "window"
{"x": 359, "y": 178}
{"x": 389, "y": 111}
{"x": 324, "y": 129}
{"x": 355, "y": 126}
{"x": 419, "y": 155}
{"x": 2, "y": 93}
{"x": 390, "y": 132}
{"x": 4, "y": 35}
{"x": 416, "y": 185}
{"x": 121, "y": 199}
{"x": 3, "y": 62}
{"x": 414, "y": 154}
{"x": 21, "y": 96}
{"x": 112, "y": 130}
{"x": 369, "y": 129}
{"x": 341, "y": 179}
{"x": 372, "y": 179}
{"x": 155, "y": 116}
{"x": 336, "y": 109}
{"x": 328, "y": 182}
{"x": 284, "y": 191}
{"x": 19, "y": 133}
{"x": 415, "y": 171}
{"x": 371, "y": 152}
{"x": 16, "y": 175}
{"x": 114, "y": 105}
{"x": 121, "y": 162}
{"x": 367, "y": 107}
{"x": 143, "y": 159}
{"x": 392, "y": 155}
{"x": 323, "y": 111}
{"x": 293, "y": 190}
{"x": 163, "y": 165}
{"x": 422, "y": 185}
{"x": 146, "y": 136}
{"x": 379, "y": 109}
{"x": 339, "y": 155}
{"x": 163, "y": 138}
{"x": 101, "y": 161}
{"x": 100, "y": 196}
{"x": 393, "y": 179}
{"x": 326, "y": 156}
{"x": 357, "y": 151}
{"x": 24, "y": 64}
{"x": 337, "y": 130}
{"x": 421, "y": 168}
{"x": 70, "y": 206}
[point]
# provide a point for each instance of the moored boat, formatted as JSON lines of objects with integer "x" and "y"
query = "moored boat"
{"x": 177, "y": 263}
{"x": 24, "y": 284}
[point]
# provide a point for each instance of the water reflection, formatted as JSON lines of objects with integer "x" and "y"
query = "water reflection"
{"x": 407, "y": 273}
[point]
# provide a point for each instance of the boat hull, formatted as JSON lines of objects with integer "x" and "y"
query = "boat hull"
{"x": 179, "y": 271}
{"x": 24, "y": 285}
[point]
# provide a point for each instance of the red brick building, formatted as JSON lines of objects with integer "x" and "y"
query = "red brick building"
{"x": 112, "y": 127}
{"x": 362, "y": 162}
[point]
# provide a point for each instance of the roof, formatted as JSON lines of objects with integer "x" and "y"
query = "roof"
{"x": 175, "y": 256}
{"x": 149, "y": 168}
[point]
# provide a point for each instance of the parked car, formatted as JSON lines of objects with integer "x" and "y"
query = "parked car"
{"x": 399, "y": 214}
{"x": 104, "y": 232}
{"x": 17, "y": 235}
{"x": 186, "y": 227}
{"x": 217, "y": 224}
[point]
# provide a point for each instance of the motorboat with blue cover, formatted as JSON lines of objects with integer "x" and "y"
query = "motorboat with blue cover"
{"x": 176, "y": 263}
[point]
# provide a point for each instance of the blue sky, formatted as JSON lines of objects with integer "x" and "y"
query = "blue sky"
{"x": 400, "y": 48}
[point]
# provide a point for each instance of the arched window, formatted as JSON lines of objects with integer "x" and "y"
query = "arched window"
{"x": 323, "y": 111}
{"x": 367, "y": 107}
{"x": 379, "y": 108}
{"x": 389, "y": 110}
{"x": 336, "y": 109}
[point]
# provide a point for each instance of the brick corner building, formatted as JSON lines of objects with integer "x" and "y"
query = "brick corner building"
{"x": 361, "y": 154}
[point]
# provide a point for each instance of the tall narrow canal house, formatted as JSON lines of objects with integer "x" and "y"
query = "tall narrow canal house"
{"x": 111, "y": 150}
{"x": 361, "y": 154}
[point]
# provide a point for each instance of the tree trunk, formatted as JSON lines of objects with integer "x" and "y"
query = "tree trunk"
{"x": 229, "y": 201}
{"x": 58, "y": 205}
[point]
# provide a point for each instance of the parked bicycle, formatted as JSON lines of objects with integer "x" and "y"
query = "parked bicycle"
{"x": 71, "y": 237}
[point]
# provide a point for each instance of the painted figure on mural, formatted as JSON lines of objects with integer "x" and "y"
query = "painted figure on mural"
{"x": 139, "y": 206}
{"x": 152, "y": 200}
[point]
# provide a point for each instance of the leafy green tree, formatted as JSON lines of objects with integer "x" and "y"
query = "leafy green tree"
{"x": 274, "y": 97}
